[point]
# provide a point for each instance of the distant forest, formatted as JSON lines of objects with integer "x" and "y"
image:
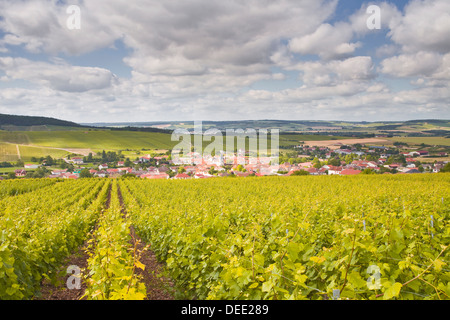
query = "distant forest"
{"x": 6, "y": 119}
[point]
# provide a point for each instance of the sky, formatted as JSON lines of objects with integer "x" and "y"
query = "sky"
{"x": 178, "y": 60}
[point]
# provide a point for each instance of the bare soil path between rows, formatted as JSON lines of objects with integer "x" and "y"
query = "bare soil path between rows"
{"x": 158, "y": 287}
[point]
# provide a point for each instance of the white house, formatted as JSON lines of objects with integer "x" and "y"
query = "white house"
{"x": 145, "y": 158}
{"x": 334, "y": 170}
{"x": 77, "y": 160}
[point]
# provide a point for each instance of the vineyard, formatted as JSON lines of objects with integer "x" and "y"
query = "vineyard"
{"x": 313, "y": 238}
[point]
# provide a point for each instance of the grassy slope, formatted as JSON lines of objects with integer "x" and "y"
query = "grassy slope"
{"x": 8, "y": 152}
{"x": 27, "y": 152}
{"x": 96, "y": 140}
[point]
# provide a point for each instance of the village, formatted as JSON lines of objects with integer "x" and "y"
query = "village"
{"x": 305, "y": 160}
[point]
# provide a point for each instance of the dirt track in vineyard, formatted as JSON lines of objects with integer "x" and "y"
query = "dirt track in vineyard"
{"x": 158, "y": 287}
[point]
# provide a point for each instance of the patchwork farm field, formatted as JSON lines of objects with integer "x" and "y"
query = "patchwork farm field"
{"x": 365, "y": 237}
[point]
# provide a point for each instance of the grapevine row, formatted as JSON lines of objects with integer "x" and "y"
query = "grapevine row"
{"x": 35, "y": 240}
{"x": 300, "y": 238}
{"x": 15, "y": 187}
{"x": 112, "y": 260}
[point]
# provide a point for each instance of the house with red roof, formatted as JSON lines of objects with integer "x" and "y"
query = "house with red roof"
{"x": 202, "y": 176}
{"x": 100, "y": 174}
{"x": 69, "y": 175}
{"x": 348, "y": 172}
{"x": 285, "y": 166}
{"x": 306, "y": 164}
{"x": 333, "y": 170}
{"x": 182, "y": 176}
{"x": 144, "y": 159}
{"x": 155, "y": 176}
{"x": 312, "y": 171}
{"x": 241, "y": 174}
{"x": 20, "y": 173}
{"x": 190, "y": 169}
{"x": 372, "y": 164}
